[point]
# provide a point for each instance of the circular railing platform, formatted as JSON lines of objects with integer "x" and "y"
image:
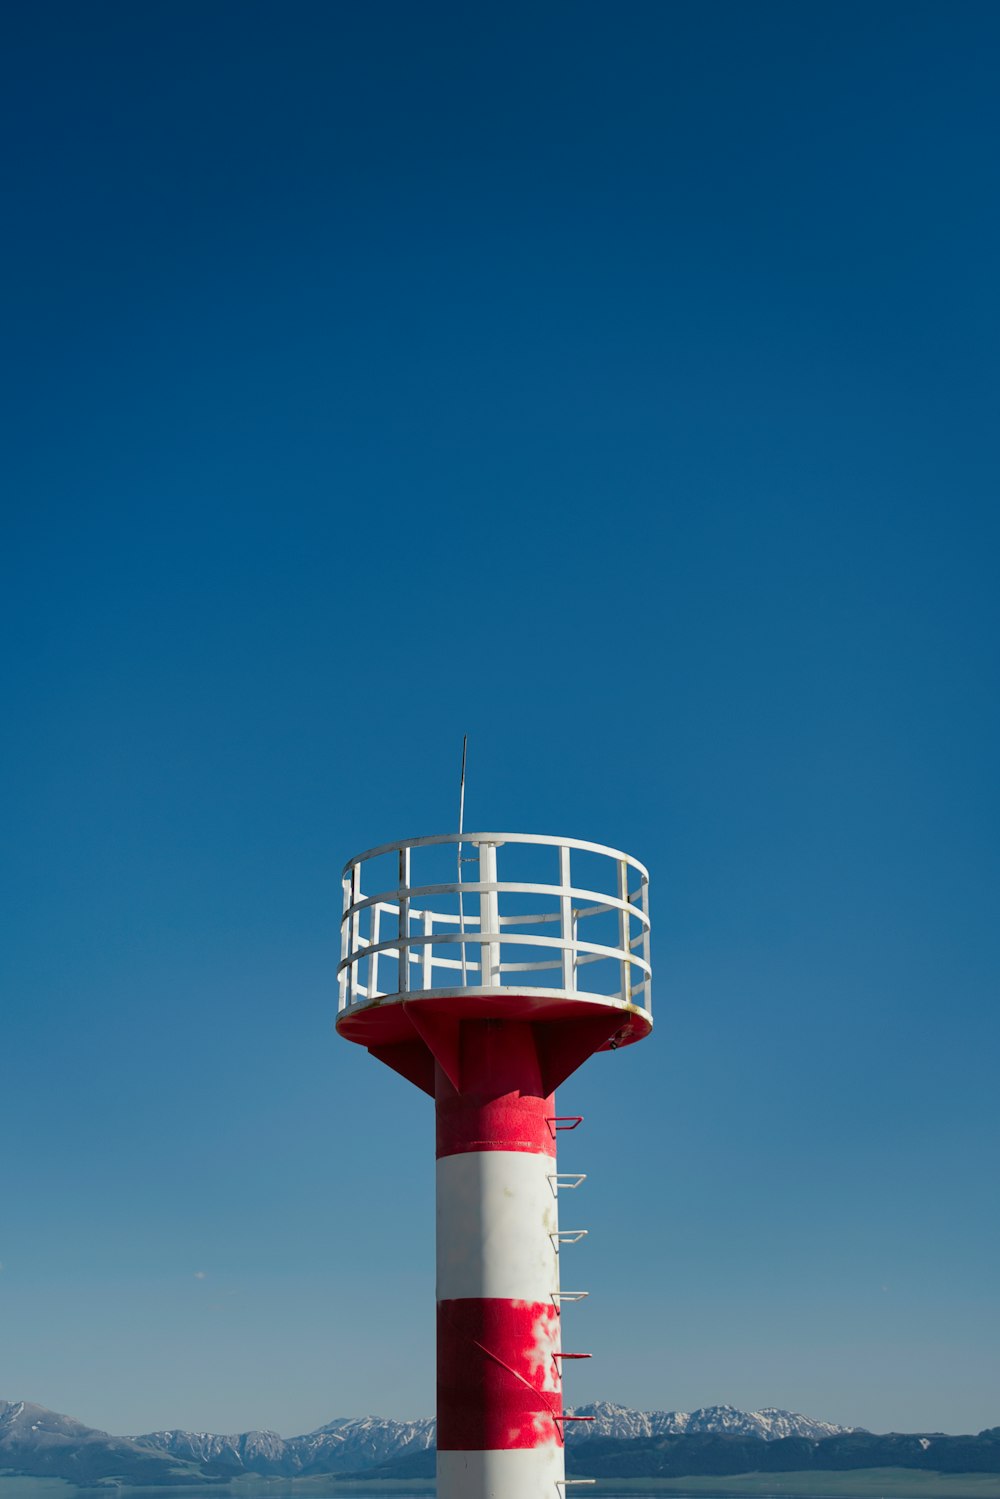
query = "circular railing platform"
{"x": 510, "y": 929}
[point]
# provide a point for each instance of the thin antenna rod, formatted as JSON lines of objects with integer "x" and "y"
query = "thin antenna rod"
{"x": 461, "y": 827}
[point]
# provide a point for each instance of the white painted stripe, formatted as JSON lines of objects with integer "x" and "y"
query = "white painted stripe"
{"x": 496, "y": 1217}
{"x": 520, "y": 1473}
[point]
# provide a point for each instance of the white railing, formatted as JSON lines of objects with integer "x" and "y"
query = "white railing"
{"x": 392, "y": 938}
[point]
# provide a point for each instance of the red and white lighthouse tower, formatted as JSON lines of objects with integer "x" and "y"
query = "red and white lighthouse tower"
{"x": 487, "y": 991}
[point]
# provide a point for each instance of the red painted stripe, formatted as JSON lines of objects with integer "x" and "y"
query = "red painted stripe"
{"x": 498, "y": 1384}
{"x": 502, "y": 1104}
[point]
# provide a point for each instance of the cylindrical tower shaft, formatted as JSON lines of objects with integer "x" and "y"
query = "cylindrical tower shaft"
{"x": 499, "y": 1384}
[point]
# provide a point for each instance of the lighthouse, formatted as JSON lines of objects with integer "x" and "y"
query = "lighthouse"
{"x": 485, "y": 968}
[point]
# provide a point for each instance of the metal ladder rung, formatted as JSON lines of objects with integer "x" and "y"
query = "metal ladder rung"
{"x": 568, "y": 1236}
{"x": 563, "y": 1121}
{"x": 569, "y": 1295}
{"x": 568, "y": 1180}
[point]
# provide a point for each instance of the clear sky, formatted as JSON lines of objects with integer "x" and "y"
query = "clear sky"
{"x": 617, "y": 383}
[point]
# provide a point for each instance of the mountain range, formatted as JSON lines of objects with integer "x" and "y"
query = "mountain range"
{"x": 614, "y": 1442}
{"x": 769, "y": 1424}
{"x": 39, "y": 1442}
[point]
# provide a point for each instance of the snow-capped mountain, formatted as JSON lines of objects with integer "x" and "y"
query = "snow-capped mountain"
{"x": 247, "y": 1451}
{"x": 341, "y": 1446}
{"x": 769, "y": 1424}
{"x": 362, "y": 1441}
{"x": 44, "y": 1443}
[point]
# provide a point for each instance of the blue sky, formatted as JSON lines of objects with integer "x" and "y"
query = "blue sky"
{"x": 616, "y": 384}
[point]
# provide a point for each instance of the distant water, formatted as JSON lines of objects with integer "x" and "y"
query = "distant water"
{"x": 12, "y": 1487}
{"x": 47, "y": 1488}
{"x": 15, "y": 1487}
{"x": 877, "y": 1485}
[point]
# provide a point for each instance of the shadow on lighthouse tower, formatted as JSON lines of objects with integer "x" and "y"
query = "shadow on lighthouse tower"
{"x": 486, "y": 968}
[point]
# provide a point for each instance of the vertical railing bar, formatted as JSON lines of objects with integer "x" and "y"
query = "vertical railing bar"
{"x": 461, "y": 829}
{"x": 647, "y": 997}
{"x": 345, "y": 937}
{"x": 625, "y": 930}
{"x": 567, "y": 923}
{"x": 353, "y": 940}
{"x": 404, "y": 921}
{"x": 425, "y": 967}
{"x": 576, "y": 933}
{"x": 489, "y": 915}
{"x": 374, "y": 957}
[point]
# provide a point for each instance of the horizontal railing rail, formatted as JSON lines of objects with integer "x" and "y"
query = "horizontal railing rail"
{"x": 546, "y": 840}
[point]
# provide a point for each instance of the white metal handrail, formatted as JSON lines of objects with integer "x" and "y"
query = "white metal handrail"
{"x": 420, "y": 932}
